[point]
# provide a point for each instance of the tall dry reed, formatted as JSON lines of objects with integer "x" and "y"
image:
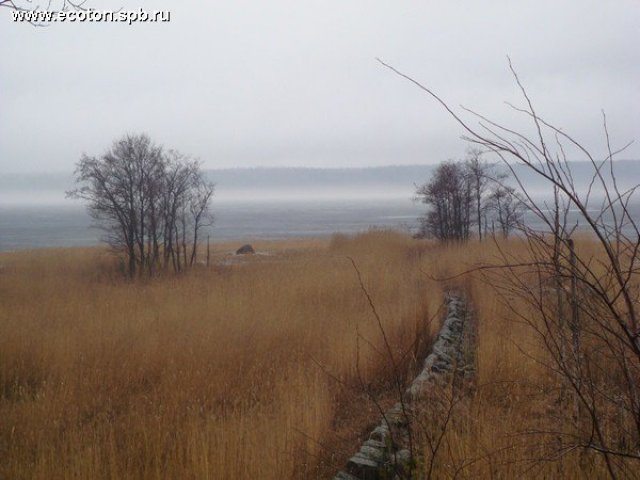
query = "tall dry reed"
{"x": 241, "y": 370}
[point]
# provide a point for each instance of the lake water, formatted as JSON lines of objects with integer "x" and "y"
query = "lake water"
{"x": 240, "y": 215}
{"x": 67, "y": 224}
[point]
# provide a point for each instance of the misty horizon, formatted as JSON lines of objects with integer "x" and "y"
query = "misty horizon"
{"x": 287, "y": 184}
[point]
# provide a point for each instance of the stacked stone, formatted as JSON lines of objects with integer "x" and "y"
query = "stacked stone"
{"x": 446, "y": 353}
{"x": 381, "y": 456}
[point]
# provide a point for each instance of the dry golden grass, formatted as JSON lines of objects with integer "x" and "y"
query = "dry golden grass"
{"x": 226, "y": 372}
{"x": 499, "y": 433}
{"x": 255, "y": 368}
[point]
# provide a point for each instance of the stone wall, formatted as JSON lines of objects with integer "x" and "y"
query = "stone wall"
{"x": 386, "y": 453}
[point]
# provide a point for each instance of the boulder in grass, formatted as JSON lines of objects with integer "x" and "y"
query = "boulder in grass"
{"x": 245, "y": 250}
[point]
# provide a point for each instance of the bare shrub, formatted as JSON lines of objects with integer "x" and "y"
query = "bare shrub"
{"x": 579, "y": 297}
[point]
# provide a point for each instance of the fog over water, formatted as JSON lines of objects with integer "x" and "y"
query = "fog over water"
{"x": 248, "y": 204}
{"x": 261, "y": 203}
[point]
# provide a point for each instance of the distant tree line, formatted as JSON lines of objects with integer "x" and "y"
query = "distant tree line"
{"x": 467, "y": 193}
{"x": 151, "y": 203}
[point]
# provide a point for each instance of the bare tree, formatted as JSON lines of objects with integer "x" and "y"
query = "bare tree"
{"x": 199, "y": 200}
{"x": 581, "y": 298}
{"x": 506, "y": 208}
{"x": 448, "y": 195}
{"x": 479, "y": 173}
{"x": 116, "y": 187}
{"x": 150, "y": 203}
{"x": 463, "y": 193}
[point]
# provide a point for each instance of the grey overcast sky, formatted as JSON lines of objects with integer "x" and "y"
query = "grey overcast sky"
{"x": 296, "y": 83}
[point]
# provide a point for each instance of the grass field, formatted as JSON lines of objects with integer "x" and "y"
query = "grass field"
{"x": 260, "y": 367}
{"x": 242, "y": 370}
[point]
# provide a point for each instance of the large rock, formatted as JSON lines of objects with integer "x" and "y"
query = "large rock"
{"x": 245, "y": 250}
